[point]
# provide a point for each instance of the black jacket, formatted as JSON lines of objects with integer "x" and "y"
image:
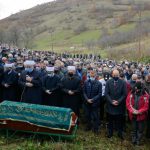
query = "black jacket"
{"x": 115, "y": 93}
{"x": 31, "y": 94}
{"x": 10, "y": 78}
{"x": 94, "y": 93}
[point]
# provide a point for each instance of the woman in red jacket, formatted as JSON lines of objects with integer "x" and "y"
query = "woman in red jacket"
{"x": 137, "y": 104}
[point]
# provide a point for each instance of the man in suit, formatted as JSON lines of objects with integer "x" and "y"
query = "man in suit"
{"x": 92, "y": 91}
{"x": 115, "y": 93}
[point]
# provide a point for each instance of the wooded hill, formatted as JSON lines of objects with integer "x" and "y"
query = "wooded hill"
{"x": 81, "y": 25}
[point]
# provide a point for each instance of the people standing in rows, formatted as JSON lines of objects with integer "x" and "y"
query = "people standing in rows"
{"x": 63, "y": 85}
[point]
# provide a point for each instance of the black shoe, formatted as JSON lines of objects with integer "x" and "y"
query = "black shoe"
{"x": 121, "y": 136}
{"x": 88, "y": 129}
{"x": 138, "y": 143}
{"x": 109, "y": 136}
{"x": 96, "y": 132}
{"x": 133, "y": 140}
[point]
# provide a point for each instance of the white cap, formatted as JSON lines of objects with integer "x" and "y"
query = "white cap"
{"x": 29, "y": 62}
{"x": 76, "y": 63}
{"x": 50, "y": 69}
{"x": 72, "y": 68}
{"x": 9, "y": 65}
{"x": 10, "y": 55}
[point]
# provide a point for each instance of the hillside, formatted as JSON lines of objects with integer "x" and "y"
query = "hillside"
{"x": 82, "y": 25}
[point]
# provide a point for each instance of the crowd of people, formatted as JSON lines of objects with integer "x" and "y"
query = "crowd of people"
{"x": 106, "y": 90}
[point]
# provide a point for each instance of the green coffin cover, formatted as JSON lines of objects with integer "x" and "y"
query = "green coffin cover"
{"x": 43, "y": 116}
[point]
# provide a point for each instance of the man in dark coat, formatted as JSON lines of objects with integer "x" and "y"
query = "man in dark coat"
{"x": 92, "y": 91}
{"x": 31, "y": 84}
{"x": 71, "y": 88}
{"x": 115, "y": 93}
{"x": 9, "y": 83}
{"x": 50, "y": 87}
{"x": 42, "y": 70}
{"x": 19, "y": 68}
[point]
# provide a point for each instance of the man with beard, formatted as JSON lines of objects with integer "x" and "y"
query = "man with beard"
{"x": 50, "y": 87}
{"x": 71, "y": 88}
{"x": 31, "y": 84}
{"x": 9, "y": 83}
{"x": 115, "y": 93}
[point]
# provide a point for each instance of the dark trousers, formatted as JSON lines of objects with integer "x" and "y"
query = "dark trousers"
{"x": 137, "y": 130}
{"x": 92, "y": 117}
{"x": 115, "y": 122}
{"x": 1, "y": 93}
{"x": 148, "y": 125}
{"x": 102, "y": 108}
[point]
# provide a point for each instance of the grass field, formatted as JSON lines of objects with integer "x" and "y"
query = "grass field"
{"x": 83, "y": 141}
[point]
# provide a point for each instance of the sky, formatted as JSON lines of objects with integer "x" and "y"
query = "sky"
{"x": 8, "y": 7}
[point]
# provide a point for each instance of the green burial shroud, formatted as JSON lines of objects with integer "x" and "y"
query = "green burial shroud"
{"x": 43, "y": 116}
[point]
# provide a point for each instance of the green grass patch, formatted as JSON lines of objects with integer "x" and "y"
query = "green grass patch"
{"x": 65, "y": 37}
{"x": 125, "y": 27}
{"x": 83, "y": 141}
{"x": 86, "y": 36}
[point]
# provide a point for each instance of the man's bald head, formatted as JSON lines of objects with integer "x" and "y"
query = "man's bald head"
{"x": 134, "y": 77}
{"x": 115, "y": 73}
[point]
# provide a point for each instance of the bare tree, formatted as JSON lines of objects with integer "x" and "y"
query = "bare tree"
{"x": 27, "y": 38}
{"x": 14, "y": 35}
{"x": 81, "y": 28}
{"x": 51, "y": 31}
{"x": 2, "y": 36}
